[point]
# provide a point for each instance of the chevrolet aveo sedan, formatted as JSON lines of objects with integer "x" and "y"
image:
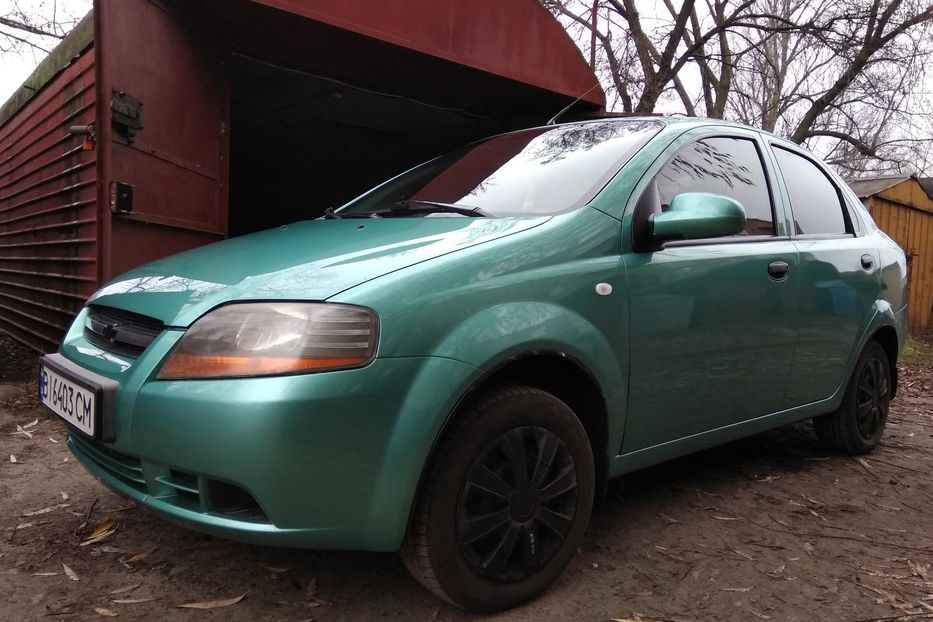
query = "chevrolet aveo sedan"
{"x": 454, "y": 364}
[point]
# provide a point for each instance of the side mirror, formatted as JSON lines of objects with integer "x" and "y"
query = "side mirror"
{"x": 697, "y": 215}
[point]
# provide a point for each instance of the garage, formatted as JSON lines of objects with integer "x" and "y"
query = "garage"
{"x": 140, "y": 137}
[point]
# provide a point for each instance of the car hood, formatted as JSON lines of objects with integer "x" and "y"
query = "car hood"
{"x": 311, "y": 260}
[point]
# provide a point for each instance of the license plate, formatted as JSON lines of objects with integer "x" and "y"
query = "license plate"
{"x": 73, "y": 401}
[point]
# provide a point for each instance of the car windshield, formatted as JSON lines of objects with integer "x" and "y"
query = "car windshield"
{"x": 534, "y": 172}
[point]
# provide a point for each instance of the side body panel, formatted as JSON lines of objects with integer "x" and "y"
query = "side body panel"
{"x": 535, "y": 293}
{"x": 838, "y": 303}
{"x": 837, "y": 306}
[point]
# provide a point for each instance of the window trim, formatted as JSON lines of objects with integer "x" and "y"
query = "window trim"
{"x": 764, "y": 173}
{"x": 732, "y": 239}
{"x": 848, "y": 220}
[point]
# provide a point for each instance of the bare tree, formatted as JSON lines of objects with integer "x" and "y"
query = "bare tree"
{"x": 647, "y": 55}
{"x": 850, "y": 87}
{"x": 35, "y": 25}
{"x": 843, "y": 76}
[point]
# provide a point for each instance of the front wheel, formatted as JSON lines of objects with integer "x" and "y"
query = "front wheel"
{"x": 505, "y": 503}
{"x": 857, "y": 426}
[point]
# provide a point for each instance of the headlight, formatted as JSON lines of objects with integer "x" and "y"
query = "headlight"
{"x": 263, "y": 338}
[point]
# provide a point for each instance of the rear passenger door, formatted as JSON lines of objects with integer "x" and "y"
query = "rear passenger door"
{"x": 712, "y": 322}
{"x": 838, "y": 271}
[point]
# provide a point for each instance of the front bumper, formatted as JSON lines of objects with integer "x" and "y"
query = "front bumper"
{"x": 329, "y": 460}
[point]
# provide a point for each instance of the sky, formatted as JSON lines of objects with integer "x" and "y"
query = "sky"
{"x": 15, "y": 67}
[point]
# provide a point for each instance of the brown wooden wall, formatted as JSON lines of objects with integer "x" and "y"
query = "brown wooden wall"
{"x": 905, "y": 213}
{"x": 48, "y": 209}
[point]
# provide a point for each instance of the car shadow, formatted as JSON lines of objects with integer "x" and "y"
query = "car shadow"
{"x": 347, "y": 585}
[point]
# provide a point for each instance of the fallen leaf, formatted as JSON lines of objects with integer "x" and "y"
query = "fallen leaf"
{"x": 736, "y": 589}
{"x": 178, "y": 570}
{"x": 921, "y": 570}
{"x": 123, "y": 590}
{"x": 70, "y": 573}
{"x": 106, "y": 612}
{"x": 45, "y": 510}
{"x": 817, "y": 514}
{"x": 133, "y": 601}
{"x": 20, "y": 526}
{"x": 20, "y": 430}
{"x": 741, "y": 554}
{"x": 311, "y": 594}
{"x": 110, "y": 549}
{"x": 215, "y": 604}
{"x": 52, "y": 439}
{"x": 758, "y": 614}
{"x": 122, "y": 509}
{"x": 64, "y": 495}
{"x": 138, "y": 557}
{"x": 46, "y": 574}
{"x": 808, "y": 548}
{"x": 104, "y": 530}
{"x": 311, "y": 591}
{"x": 31, "y": 424}
{"x": 12, "y": 458}
{"x": 728, "y": 517}
{"x": 273, "y": 569}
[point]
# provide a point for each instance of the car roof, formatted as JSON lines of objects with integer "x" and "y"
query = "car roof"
{"x": 676, "y": 120}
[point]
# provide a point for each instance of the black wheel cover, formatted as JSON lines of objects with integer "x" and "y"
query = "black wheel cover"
{"x": 517, "y": 504}
{"x": 872, "y": 398}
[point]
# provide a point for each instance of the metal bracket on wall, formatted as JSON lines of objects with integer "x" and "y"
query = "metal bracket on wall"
{"x": 126, "y": 113}
{"x": 89, "y": 134}
{"x": 121, "y": 197}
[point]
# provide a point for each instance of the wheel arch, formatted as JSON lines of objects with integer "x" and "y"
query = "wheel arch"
{"x": 886, "y": 336}
{"x": 559, "y": 374}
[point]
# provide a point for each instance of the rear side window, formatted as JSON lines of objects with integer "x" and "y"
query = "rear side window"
{"x": 728, "y": 167}
{"x": 813, "y": 197}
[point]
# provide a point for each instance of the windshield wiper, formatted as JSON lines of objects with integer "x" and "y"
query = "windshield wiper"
{"x": 426, "y": 207}
{"x": 331, "y": 213}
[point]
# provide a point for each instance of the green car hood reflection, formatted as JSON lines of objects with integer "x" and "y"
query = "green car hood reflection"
{"x": 310, "y": 260}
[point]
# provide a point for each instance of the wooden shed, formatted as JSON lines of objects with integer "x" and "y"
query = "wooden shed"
{"x": 903, "y": 208}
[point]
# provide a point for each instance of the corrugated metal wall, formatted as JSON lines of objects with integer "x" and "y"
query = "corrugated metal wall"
{"x": 905, "y": 213}
{"x": 48, "y": 209}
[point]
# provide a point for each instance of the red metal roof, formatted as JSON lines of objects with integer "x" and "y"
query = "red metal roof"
{"x": 516, "y": 39}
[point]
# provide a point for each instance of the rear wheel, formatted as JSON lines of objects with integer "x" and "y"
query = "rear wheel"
{"x": 857, "y": 426}
{"x": 505, "y": 503}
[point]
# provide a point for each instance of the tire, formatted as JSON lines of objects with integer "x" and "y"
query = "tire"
{"x": 857, "y": 426}
{"x": 479, "y": 538}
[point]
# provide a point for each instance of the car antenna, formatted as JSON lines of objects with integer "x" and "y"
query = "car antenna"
{"x": 570, "y": 105}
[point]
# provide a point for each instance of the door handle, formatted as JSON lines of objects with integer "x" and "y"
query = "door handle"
{"x": 778, "y": 270}
{"x": 868, "y": 262}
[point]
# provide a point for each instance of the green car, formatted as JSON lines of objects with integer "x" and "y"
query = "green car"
{"x": 455, "y": 364}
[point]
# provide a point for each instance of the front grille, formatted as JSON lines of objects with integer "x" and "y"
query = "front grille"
{"x": 176, "y": 487}
{"x": 119, "y": 331}
{"x": 127, "y": 468}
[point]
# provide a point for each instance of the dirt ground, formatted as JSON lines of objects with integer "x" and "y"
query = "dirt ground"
{"x": 770, "y": 528}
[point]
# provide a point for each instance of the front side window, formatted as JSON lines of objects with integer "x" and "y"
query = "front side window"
{"x": 729, "y": 167}
{"x": 535, "y": 172}
{"x": 813, "y": 197}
